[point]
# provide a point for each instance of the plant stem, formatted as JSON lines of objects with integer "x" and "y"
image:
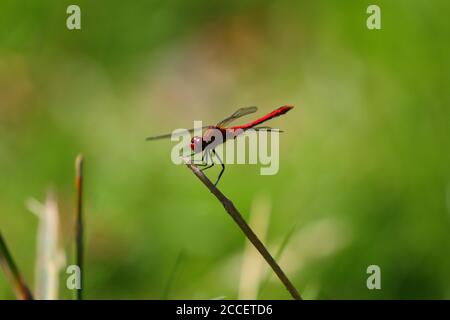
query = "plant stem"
{"x": 12, "y": 273}
{"x": 79, "y": 222}
{"x": 172, "y": 276}
{"x": 237, "y": 217}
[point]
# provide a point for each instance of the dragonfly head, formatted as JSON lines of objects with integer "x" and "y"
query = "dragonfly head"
{"x": 197, "y": 144}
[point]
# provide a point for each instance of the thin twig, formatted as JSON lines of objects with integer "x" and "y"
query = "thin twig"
{"x": 253, "y": 270}
{"x": 280, "y": 251}
{"x": 237, "y": 217}
{"x": 79, "y": 222}
{"x": 12, "y": 273}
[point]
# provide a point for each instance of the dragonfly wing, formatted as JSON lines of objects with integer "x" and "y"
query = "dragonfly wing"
{"x": 269, "y": 129}
{"x": 175, "y": 134}
{"x": 239, "y": 113}
{"x": 162, "y": 136}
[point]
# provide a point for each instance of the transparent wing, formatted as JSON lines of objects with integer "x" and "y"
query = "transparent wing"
{"x": 239, "y": 113}
{"x": 269, "y": 129}
{"x": 174, "y": 134}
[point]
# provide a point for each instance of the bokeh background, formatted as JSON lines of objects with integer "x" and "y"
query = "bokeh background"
{"x": 364, "y": 163}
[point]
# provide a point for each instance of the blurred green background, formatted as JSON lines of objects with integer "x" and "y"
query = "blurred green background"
{"x": 364, "y": 163}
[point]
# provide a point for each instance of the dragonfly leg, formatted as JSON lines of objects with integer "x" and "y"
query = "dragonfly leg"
{"x": 202, "y": 162}
{"x": 206, "y": 162}
{"x": 223, "y": 167}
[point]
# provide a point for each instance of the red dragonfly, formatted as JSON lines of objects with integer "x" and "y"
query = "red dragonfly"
{"x": 220, "y": 133}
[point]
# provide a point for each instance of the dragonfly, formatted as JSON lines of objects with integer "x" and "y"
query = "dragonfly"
{"x": 215, "y": 135}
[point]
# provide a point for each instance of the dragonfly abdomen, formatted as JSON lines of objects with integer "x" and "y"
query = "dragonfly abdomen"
{"x": 275, "y": 113}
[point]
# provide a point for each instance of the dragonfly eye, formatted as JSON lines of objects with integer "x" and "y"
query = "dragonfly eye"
{"x": 196, "y": 144}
